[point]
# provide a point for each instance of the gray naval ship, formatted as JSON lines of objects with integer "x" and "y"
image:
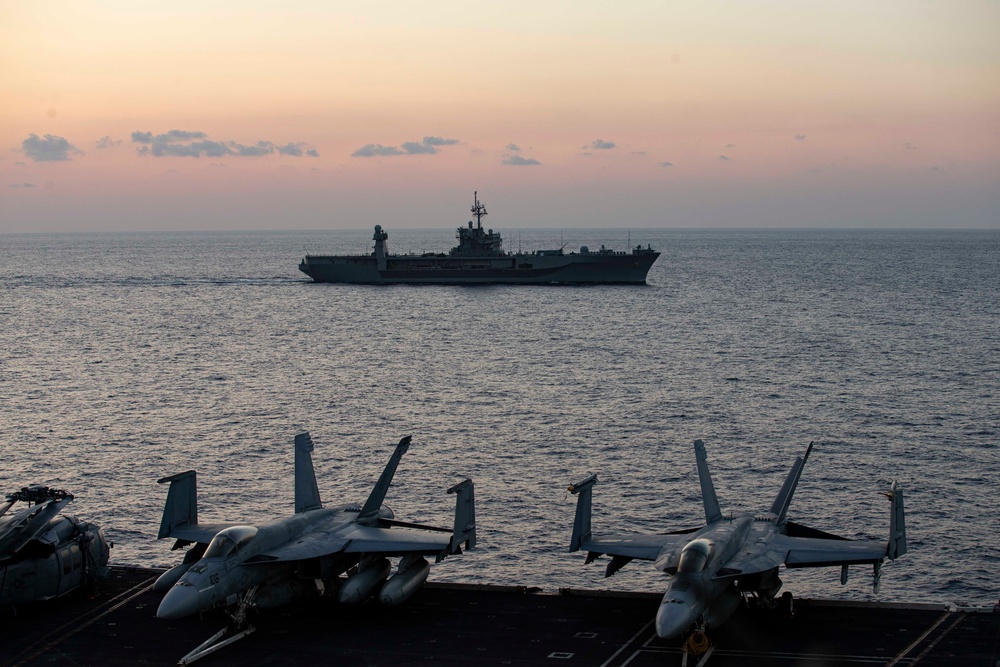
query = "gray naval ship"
{"x": 479, "y": 258}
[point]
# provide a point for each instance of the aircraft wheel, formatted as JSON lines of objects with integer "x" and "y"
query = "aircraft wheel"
{"x": 785, "y": 604}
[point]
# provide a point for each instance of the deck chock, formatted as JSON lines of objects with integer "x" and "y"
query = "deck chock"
{"x": 699, "y": 645}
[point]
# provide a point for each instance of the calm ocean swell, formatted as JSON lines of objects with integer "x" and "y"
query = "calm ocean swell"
{"x": 132, "y": 356}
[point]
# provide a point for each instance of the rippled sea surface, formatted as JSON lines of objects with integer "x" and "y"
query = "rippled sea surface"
{"x": 128, "y": 357}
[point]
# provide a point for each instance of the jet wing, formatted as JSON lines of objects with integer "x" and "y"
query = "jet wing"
{"x": 754, "y": 561}
{"x": 643, "y": 547}
{"x": 819, "y": 552}
{"x": 396, "y": 541}
{"x": 359, "y": 539}
{"x": 311, "y": 545}
{"x": 199, "y": 532}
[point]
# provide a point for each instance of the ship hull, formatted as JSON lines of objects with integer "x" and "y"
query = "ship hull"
{"x": 573, "y": 269}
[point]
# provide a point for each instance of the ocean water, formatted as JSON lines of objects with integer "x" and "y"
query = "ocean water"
{"x": 128, "y": 357}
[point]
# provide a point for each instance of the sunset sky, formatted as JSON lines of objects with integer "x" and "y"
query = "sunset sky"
{"x": 259, "y": 114}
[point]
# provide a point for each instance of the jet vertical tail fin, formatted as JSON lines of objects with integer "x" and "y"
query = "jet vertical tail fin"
{"x": 897, "y": 524}
{"x": 712, "y": 511}
{"x": 584, "y": 490}
{"x": 181, "y": 508}
{"x": 465, "y": 516}
{"x": 779, "y": 507}
{"x": 306, "y": 490}
{"x": 374, "y": 502}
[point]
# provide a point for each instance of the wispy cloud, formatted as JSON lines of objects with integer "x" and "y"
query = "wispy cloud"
{"x": 439, "y": 141}
{"x": 600, "y": 144}
{"x": 800, "y": 137}
{"x": 297, "y": 149}
{"x": 518, "y": 161}
{"x": 49, "y": 148}
{"x": 22, "y": 185}
{"x": 426, "y": 146}
{"x": 666, "y": 164}
{"x": 418, "y": 148}
{"x": 376, "y": 150}
{"x": 185, "y": 143}
{"x": 107, "y": 142}
{"x": 724, "y": 158}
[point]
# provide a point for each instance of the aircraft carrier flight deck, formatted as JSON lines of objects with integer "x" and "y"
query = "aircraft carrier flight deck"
{"x": 447, "y": 624}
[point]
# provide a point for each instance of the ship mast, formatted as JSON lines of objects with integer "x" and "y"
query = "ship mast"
{"x": 478, "y": 210}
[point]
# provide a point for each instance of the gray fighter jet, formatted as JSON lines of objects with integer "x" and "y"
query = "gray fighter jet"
{"x": 303, "y": 554}
{"x": 714, "y": 567}
{"x": 45, "y": 554}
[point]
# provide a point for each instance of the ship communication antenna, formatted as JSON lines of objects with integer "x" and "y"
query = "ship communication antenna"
{"x": 478, "y": 210}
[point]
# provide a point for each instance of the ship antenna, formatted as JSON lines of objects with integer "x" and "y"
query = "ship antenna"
{"x": 478, "y": 210}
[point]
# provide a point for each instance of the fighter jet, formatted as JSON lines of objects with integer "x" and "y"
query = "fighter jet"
{"x": 714, "y": 567}
{"x": 45, "y": 554}
{"x": 303, "y": 554}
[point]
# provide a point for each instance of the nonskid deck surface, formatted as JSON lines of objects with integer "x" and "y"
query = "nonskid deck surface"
{"x": 462, "y": 625}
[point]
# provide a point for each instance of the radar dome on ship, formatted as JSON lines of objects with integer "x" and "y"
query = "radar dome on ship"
{"x": 378, "y": 228}
{"x": 584, "y": 250}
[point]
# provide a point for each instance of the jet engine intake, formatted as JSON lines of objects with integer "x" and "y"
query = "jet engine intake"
{"x": 167, "y": 580}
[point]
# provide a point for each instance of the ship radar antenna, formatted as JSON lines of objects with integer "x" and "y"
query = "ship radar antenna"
{"x": 478, "y": 210}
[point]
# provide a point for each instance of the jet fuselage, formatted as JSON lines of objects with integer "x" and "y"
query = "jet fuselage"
{"x": 695, "y": 585}
{"x": 228, "y": 566}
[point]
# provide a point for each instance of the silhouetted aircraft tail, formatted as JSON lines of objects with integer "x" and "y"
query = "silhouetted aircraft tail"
{"x": 712, "y": 511}
{"x": 182, "y": 502}
{"x": 897, "y": 524}
{"x": 779, "y": 507}
{"x": 465, "y": 516}
{"x": 369, "y": 512}
{"x": 584, "y": 490}
{"x": 306, "y": 490}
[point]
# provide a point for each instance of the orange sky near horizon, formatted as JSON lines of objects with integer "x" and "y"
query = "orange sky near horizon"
{"x": 650, "y": 114}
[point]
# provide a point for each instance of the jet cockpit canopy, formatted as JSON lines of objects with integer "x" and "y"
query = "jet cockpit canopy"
{"x": 695, "y": 556}
{"x": 229, "y": 541}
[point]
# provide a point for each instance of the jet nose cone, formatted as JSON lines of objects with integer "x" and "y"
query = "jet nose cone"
{"x": 180, "y": 601}
{"x": 673, "y": 618}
